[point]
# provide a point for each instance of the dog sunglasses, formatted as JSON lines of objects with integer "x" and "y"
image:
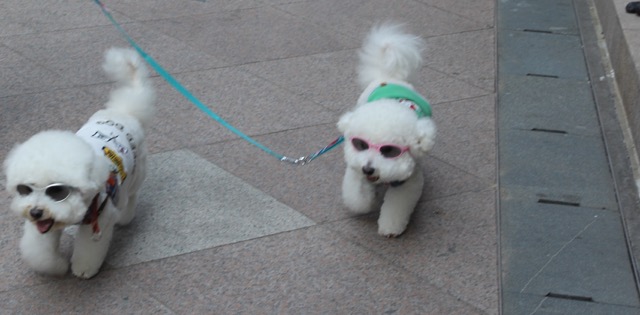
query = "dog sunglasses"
{"x": 57, "y": 191}
{"x": 389, "y": 151}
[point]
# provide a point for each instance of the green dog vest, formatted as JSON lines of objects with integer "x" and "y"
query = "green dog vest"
{"x": 396, "y": 91}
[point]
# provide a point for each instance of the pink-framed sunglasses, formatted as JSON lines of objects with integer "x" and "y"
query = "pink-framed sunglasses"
{"x": 389, "y": 151}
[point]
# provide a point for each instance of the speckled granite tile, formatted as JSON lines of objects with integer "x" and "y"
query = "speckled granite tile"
{"x": 249, "y": 103}
{"x": 19, "y": 75}
{"x": 75, "y": 55}
{"x": 170, "y": 53}
{"x": 18, "y": 17}
{"x": 355, "y": 18}
{"x": 312, "y": 189}
{"x": 244, "y": 36}
{"x": 477, "y": 10}
{"x": 306, "y": 271}
{"x": 25, "y": 115}
{"x": 330, "y": 80}
{"x": 327, "y": 79}
{"x": 104, "y": 294}
{"x": 466, "y": 135}
{"x": 188, "y": 204}
{"x": 467, "y": 56}
{"x": 153, "y": 10}
{"x": 450, "y": 241}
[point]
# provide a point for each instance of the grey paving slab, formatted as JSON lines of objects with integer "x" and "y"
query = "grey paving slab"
{"x": 330, "y": 79}
{"x": 20, "y": 75}
{"x": 457, "y": 55}
{"x": 76, "y": 55}
{"x": 450, "y": 241}
{"x": 26, "y": 114}
{"x": 249, "y": 103}
{"x": 102, "y": 295}
{"x": 188, "y": 204}
{"x": 523, "y": 53}
{"x": 530, "y": 102}
{"x": 308, "y": 271}
{"x": 466, "y": 135}
{"x": 153, "y": 10}
{"x": 477, "y": 10}
{"x": 554, "y": 16}
{"x": 561, "y": 164}
{"x": 355, "y": 18}
{"x": 564, "y": 249}
{"x": 258, "y": 35}
{"x": 321, "y": 78}
{"x": 29, "y": 17}
{"x": 541, "y": 305}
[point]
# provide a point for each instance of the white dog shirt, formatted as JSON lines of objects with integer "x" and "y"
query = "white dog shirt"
{"x": 111, "y": 139}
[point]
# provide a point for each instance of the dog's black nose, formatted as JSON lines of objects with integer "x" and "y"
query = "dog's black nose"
{"x": 36, "y": 213}
{"x": 368, "y": 170}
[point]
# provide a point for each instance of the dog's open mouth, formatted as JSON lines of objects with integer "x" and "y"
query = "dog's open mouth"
{"x": 45, "y": 225}
{"x": 373, "y": 178}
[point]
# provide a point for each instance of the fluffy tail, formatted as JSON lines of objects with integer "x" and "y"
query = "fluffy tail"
{"x": 389, "y": 53}
{"x": 135, "y": 95}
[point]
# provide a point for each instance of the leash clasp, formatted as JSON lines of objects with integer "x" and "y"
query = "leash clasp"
{"x": 299, "y": 161}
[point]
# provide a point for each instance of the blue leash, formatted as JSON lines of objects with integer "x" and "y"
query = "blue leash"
{"x": 180, "y": 88}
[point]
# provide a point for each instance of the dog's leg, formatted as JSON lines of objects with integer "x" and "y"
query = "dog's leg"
{"x": 40, "y": 251}
{"x": 128, "y": 210}
{"x": 399, "y": 203}
{"x": 89, "y": 252}
{"x": 128, "y": 206}
{"x": 358, "y": 194}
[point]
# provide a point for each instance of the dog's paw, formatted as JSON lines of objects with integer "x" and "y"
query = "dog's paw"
{"x": 391, "y": 228}
{"x": 358, "y": 204}
{"x": 84, "y": 268}
{"x": 57, "y": 266}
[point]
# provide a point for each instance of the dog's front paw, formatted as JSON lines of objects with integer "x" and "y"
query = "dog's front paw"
{"x": 389, "y": 227}
{"x": 85, "y": 267}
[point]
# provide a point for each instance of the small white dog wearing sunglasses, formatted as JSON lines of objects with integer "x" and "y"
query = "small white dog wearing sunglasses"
{"x": 89, "y": 178}
{"x": 388, "y": 131}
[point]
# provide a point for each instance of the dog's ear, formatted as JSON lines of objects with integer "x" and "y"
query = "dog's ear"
{"x": 344, "y": 121}
{"x": 97, "y": 173}
{"x": 425, "y": 136}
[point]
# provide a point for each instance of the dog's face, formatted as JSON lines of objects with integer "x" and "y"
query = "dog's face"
{"x": 53, "y": 178}
{"x": 384, "y": 139}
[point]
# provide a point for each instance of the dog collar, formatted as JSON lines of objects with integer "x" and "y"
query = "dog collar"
{"x": 396, "y": 183}
{"x": 396, "y": 91}
{"x": 94, "y": 211}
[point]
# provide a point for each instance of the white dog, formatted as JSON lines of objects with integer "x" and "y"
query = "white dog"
{"x": 89, "y": 178}
{"x": 388, "y": 131}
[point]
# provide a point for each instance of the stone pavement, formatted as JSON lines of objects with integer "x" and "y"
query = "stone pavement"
{"x": 223, "y": 227}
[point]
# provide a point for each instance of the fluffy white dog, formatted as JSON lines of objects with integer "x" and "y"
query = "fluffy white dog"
{"x": 90, "y": 178}
{"x": 388, "y": 131}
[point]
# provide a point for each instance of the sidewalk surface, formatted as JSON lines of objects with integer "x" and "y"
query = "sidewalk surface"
{"x": 224, "y": 228}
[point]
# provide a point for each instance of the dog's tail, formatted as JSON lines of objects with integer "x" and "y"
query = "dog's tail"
{"x": 389, "y": 53}
{"x": 135, "y": 94}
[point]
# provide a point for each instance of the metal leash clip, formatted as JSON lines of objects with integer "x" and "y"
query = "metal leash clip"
{"x": 299, "y": 161}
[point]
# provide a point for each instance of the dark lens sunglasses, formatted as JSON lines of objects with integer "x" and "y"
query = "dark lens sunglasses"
{"x": 58, "y": 192}
{"x": 389, "y": 151}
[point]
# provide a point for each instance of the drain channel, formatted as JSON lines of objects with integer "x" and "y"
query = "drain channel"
{"x": 549, "y": 130}
{"x": 569, "y": 297}
{"x": 559, "y": 202}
